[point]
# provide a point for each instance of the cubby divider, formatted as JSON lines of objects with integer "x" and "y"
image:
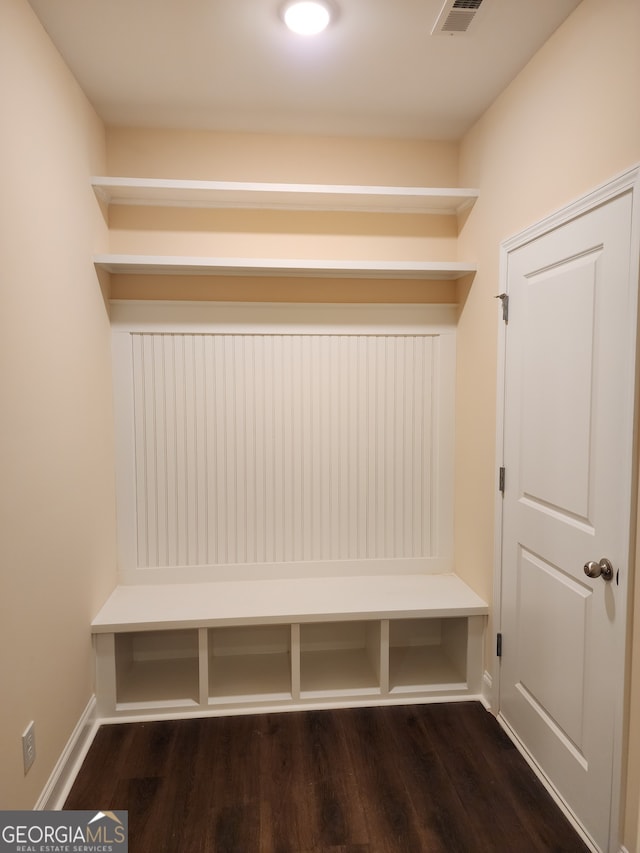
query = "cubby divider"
{"x": 295, "y": 661}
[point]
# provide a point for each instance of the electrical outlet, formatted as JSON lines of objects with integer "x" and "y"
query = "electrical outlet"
{"x": 29, "y": 746}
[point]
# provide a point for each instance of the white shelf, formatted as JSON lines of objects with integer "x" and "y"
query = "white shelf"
{"x": 329, "y": 673}
{"x": 329, "y": 197}
{"x": 283, "y": 196}
{"x": 250, "y": 678}
{"x": 184, "y": 265}
{"x": 158, "y": 684}
{"x": 421, "y": 670}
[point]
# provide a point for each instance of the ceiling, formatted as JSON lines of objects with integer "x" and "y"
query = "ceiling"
{"x": 231, "y": 65}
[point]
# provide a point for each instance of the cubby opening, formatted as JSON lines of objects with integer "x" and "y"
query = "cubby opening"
{"x": 340, "y": 658}
{"x": 157, "y": 668}
{"x": 249, "y": 663}
{"x": 427, "y": 654}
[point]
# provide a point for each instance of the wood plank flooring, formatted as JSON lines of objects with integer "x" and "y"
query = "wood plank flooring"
{"x": 405, "y": 779}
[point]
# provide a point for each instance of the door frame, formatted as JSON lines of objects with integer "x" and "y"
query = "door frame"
{"x": 626, "y": 182}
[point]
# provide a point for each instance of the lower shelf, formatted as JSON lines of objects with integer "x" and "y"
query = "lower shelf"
{"x": 420, "y": 670}
{"x": 250, "y": 678}
{"x": 337, "y": 673}
{"x": 158, "y": 684}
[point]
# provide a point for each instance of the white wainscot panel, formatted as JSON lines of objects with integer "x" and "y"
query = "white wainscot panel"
{"x": 271, "y": 448}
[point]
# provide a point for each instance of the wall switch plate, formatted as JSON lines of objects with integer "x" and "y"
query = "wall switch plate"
{"x": 29, "y": 746}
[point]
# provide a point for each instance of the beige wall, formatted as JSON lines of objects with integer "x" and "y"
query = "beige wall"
{"x": 203, "y": 155}
{"x": 57, "y": 524}
{"x": 567, "y": 123}
{"x": 290, "y": 289}
{"x": 281, "y": 234}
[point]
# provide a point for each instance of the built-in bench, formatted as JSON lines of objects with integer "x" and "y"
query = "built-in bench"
{"x": 211, "y": 648}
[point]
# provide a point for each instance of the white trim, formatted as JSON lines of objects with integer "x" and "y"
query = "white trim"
{"x": 627, "y": 182}
{"x": 279, "y": 318}
{"x": 295, "y": 569}
{"x": 499, "y": 497}
{"x": 121, "y": 356}
{"x": 622, "y": 183}
{"x": 64, "y": 773}
{"x": 333, "y": 704}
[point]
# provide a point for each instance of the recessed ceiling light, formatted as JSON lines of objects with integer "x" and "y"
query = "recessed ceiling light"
{"x": 307, "y": 17}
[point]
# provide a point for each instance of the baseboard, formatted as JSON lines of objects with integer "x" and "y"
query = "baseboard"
{"x": 64, "y": 773}
{"x": 159, "y": 715}
{"x": 487, "y": 690}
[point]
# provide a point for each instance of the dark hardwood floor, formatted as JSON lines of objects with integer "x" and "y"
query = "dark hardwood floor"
{"x": 406, "y": 779}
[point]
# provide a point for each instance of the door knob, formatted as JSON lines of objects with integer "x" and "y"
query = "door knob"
{"x": 603, "y": 569}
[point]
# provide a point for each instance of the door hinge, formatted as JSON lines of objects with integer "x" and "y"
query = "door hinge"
{"x": 505, "y": 305}
{"x": 501, "y": 476}
{"x": 499, "y": 645}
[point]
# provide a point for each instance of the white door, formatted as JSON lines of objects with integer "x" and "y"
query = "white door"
{"x": 568, "y": 424}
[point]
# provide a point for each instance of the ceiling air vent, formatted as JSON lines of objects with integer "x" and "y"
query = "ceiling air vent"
{"x": 456, "y": 17}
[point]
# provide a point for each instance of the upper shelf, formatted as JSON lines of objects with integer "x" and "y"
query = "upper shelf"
{"x": 276, "y": 196}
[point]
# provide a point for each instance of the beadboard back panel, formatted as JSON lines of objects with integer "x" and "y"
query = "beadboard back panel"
{"x": 277, "y": 450}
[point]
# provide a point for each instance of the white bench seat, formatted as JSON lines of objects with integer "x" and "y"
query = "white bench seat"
{"x": 172, "y": 606}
